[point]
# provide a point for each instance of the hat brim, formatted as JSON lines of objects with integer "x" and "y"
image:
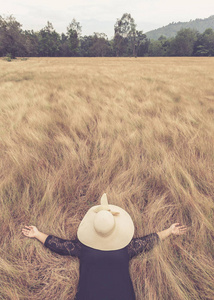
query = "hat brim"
{"x": 119, "y": 238}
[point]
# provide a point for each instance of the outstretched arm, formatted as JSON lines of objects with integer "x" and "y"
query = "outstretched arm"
{"x": 55, "y": 244}
{"x": 175, "y": 229}
{"x": 33, "y": 232}
{"x": 146, "y": 243}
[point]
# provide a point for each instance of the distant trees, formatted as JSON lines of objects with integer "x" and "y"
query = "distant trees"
{"x": 11, "y": 37}
{"x": 127, "y": 41}
{"x": 183, "y": 43}
{"x": 204, "y": 45}
{"x": 95, "y": 45}
{"x": 48, "y": 41}
{"x": 141, "y": 44}
{"x": 100, "y": 45}
{"x": 187, "y": 42}
{"x": 72, "y": 39}
{"x": 125, "y": 35}
{"x": 160, "y": 47}
{"x": 31, "y": 41}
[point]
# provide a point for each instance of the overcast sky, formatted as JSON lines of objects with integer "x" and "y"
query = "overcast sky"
{"x": 101, "y": 15}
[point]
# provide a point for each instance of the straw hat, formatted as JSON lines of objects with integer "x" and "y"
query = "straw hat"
{"x": 106, "y": 227}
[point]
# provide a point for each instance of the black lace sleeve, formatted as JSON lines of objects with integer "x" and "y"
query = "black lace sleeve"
{"x": 142, "y": 244}
{"x": 63, "y": 247}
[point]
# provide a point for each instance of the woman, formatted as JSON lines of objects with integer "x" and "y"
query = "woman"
{"x": 105, "y": 244}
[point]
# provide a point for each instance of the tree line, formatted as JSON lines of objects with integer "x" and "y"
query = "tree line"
{"x": 127, "y": 41}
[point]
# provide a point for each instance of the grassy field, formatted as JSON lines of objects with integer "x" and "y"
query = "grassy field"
{"x": 141, "y": 130}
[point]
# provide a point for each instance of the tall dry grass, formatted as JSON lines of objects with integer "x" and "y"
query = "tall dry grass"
{"x": 140, "y": 130}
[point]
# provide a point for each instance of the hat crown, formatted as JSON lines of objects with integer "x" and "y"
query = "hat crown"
{"x": 104, "y": 222}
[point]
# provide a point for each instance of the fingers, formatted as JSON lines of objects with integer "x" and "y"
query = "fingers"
{"x": 182, "y": 229}
{"x": 25, "y": 232}
{"x": 178, "y": 229}
{"x": 28, "y": 227}
{"x": 176, "y": 224}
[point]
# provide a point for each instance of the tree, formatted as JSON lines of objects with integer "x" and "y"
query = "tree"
{"x": 86, "y": 43}
{"x": 100, "y": 46}
{"x": 48, "y": 41}
{"x": 75, "y": 26}
{"x": 161, "y": 47}
{"x": 205, "y": 44}
{"x": 64, "y": 51}
{"x": 183, "y": 43}
{"x": 125, "y": 33}
{"x": 73, "y": 34}
{"x": 30, "y": 43}
{"x": 11, "y": 37}
{"x": 120, "y": 45}
{"x": 141, "y": 44}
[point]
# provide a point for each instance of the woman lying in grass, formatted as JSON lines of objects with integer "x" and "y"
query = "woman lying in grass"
{"x": 105, "y": 244}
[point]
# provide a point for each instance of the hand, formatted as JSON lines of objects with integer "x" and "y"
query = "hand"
{"x": 178, "y": 229}
{"x": 30, "y": 231}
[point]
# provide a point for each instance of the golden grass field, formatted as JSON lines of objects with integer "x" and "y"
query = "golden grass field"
{"x": 141, "y": 130}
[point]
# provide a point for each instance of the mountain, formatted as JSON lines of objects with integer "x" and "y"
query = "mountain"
{"x": 171, "y": 30}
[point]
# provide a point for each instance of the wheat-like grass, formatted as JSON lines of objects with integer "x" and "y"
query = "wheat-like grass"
{"x": 140, "y": 130}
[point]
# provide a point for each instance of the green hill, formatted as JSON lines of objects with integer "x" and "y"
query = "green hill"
{"x": 171, "y": 29}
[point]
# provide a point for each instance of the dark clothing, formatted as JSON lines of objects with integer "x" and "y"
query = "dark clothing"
{"x": 104, "y": 275}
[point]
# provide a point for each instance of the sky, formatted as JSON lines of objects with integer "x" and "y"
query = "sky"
{"x": 101, "y": 15}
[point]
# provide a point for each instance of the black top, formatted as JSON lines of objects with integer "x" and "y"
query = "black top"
{"x": 104, "y": 275}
